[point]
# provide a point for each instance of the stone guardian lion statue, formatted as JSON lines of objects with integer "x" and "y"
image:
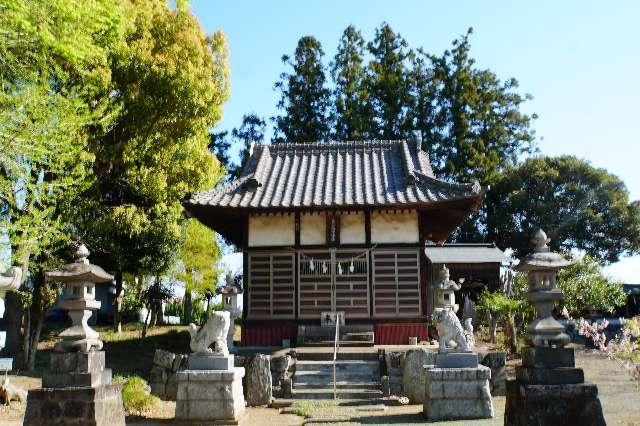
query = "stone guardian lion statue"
{"x": 450, "y": 330}
{"x": 213, "y": 331}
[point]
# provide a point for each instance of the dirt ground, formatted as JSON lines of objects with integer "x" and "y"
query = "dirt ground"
{"x": 618, "y": 395}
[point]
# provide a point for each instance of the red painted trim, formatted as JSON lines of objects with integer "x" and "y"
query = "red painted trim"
{"x": 398, "y": 334}
{"x": 268, "y": 334}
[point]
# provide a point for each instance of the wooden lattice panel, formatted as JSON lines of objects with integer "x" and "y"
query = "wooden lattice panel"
{"x": 324, "y": 288}
{"x": 396, "y": 283}
{"x": 271, "y": 285}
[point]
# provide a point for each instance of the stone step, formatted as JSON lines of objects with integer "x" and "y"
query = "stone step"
{"x": 343, "y": 393}
{"x": 343, "y": 343}
{"x": 340, "y": 384}
{"x": 314, "y": 355}
{"x": 341, "y": 365}
{"x": 358, "y": 337}
{"x": 340, "y": 374}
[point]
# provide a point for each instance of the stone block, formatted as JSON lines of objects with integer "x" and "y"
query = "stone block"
{"x": 158, "y": 389}
{"x": 78, "y": 362}
{"x": 457, "y": 409}
{"x": 287, "y": 391}
{"x": 73, "y": 379}
{"x": 210, "y": 362}
{"x": 258, "y": 380}
{"x": 456, "y": 394}
{"x": 178, "y": 363}
{"x": 546, "y": 376}
{"x": 164, "y": 359}
{"x": 171, "y": 388}
{"x": 496, "y": 361}
{"x": 545, "y": 357}
{"x": 412, "y": 373}
{"x": 457, "y": 360}
{"x": 158, "y": 375}
{"x": 567, "y": 405}
{"x": 209, "y": 396}
{"x": 100, "y": 406}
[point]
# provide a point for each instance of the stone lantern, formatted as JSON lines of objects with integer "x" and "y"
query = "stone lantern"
{"x": 445, "y": 290}
{"x": 542, "y": 267}
{"x": 77, "y": 388}
{"x": 548, "y": 388}
{"x": 229, "y": 295}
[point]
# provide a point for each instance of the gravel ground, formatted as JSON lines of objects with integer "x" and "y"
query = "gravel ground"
{"x": 619, "y": 398}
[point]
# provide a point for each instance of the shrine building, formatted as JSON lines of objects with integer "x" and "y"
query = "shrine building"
{"x": 339, "y": 227}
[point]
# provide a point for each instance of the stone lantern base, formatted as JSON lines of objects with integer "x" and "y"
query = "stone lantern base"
{"x": 77, "y": 390}
{"x": 549, "y": 390}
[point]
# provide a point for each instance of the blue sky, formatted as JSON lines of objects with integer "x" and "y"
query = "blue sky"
{"x": 579, "y": 59}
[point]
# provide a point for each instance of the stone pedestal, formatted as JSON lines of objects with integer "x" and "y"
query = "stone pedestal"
{"x": 99, "y": 406}
{"x": 567, "y": 405}
{"x": 210, "y": 396}
{"x": 457, "y": 393}
{"x": 77, "y": 390}
{"x": 549, "y": 389}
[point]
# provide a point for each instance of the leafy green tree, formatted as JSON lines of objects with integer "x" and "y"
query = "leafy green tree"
{"x": 586, "y": 288}
{"x": 578, "y": 205}
{"x": 470, "y": 120}
{"x": 499, "y": 308}
{"x": 304, "y": 96}
{"x": 352, "y": 116}
{"x": 199, "y": 253}
{"x": 388, "y": 83}
{"x": 55, "y": 78}
{"x": 168, "y": 82}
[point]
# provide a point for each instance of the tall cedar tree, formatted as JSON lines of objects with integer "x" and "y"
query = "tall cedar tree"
{"x": 351, "y": 111}
{"x": 251, "y": 130}
{"x": 471, "y": 120}
{"x": 388, "y": 83}
{"x": 169, "y": 83}
{"x": 55, "y": 82}
{"x": 578, "y": 205}
{"x": 304, "y": 97}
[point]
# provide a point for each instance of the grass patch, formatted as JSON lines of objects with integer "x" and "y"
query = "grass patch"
{"x": 305, "y": 408}
{"x": 136, "y": 395}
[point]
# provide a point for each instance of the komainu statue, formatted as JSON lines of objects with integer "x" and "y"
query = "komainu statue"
{"x": 213, "y": 331}
{"x": 450, "y": 330}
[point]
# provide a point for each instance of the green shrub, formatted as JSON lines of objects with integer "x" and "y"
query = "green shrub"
{"x": 136, "y": 396}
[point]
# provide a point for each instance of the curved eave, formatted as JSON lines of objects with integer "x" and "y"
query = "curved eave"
{"x": 439, "y": 218}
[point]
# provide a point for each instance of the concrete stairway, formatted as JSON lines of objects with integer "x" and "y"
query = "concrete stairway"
{"x": 356, "y": 378}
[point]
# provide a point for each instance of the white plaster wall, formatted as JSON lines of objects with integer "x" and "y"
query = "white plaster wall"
{"x": 313, "y": 229}
{"x": 352, "y": 228}
{"x": 400, "y": 227}
{"x": 278, "y": 230}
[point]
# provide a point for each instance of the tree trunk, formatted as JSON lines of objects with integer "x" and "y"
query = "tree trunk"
{"x": 187, "y": 307}
{"x": 35, "y": 319}
{"x": 117, "y": 303}
{"x": 512, "y": 339}
{"x": 493, "y": 329}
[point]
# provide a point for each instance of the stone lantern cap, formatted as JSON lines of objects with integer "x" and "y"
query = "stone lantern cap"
{"x": 542, "y": 257}
{"x": 230, "y": 289}
{"x": 80, "y": 270}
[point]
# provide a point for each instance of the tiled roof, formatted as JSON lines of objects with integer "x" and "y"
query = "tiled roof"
{"x": 335, "y": 174}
